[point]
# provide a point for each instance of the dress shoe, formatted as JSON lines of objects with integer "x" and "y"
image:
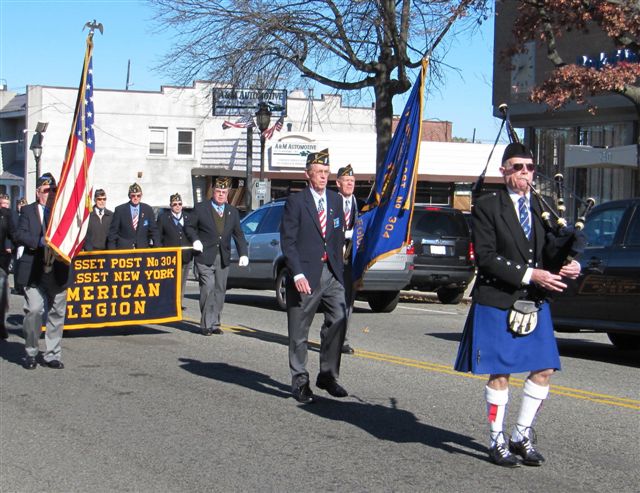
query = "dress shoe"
{"x": 500, "y": 455}
{"x": 206, "y": 332}
{"x": 54, "y": 363}
{"x": 217, "y": 331}
{"x": 29, "y": 363}
{"x": 530, "y": 456}
{"x": 333, "y": 387}
{"x": 303, "y": 393}
{"x": 347, "y": 349}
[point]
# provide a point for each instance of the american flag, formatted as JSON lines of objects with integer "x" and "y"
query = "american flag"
{"x": 69, "y": 217}
{"x": 245, "y": 121}
{"x": 268, "y": 133}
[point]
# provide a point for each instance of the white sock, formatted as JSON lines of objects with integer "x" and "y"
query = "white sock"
{"x": 496, "y": 408}
{"x": 532, "y": 399}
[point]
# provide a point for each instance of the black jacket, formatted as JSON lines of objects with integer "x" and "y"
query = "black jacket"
{"x": 175, "y": 235}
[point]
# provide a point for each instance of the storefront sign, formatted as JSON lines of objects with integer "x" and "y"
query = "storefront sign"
{"x": 236, "y": 102}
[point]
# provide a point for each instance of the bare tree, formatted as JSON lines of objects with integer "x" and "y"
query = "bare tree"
{"x": 348, "y": 45}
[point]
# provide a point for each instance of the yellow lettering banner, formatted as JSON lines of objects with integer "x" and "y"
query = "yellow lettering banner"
{"x": 124, "y": 287}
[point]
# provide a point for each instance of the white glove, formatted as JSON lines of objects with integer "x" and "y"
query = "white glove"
{"x": 197, "y": 246}
{"x": 243, "y": 261}
{"x": 348, "y": 234}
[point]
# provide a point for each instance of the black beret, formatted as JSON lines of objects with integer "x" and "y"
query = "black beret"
{"x": 320, "y": 157}
{"x": 46, "y": 179}
{"x": 516, "y": 149}
{"x": 346, "y": 171}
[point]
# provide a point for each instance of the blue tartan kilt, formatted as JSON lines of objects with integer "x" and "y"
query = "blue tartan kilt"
{"x": 489, "y": 347}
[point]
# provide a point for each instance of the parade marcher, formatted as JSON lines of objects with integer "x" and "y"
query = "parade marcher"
{"x": 516, "y": 260}
{"x": 312, "y": 239}
{"x": 17, "y": 249}
{"x": 346, "y": 183}
{"x": 45, "y": 279}
{"x": 133, "y": 224}
{"x": 171, "y": 226}
{"x": 5, "y": 201}
{"x": 99, "y": 223}
{"x": 7, "y": 234}
{"x": 213, "y": 223}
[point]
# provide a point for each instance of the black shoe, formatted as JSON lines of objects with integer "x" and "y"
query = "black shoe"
{"x": 54, "y": 363}
{"x": 29, "y": 363}
{"x": 206, "y": 332}
{"x": 346, "y": 349}
{"x": 217, "y": 331}
{"x": 333, "y": 387}
{"x": 303, "y": 393}
{"x": 524, "y": 448}
{"x": 500, "y": 455}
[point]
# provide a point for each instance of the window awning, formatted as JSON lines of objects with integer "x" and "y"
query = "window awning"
{"x": 578, "y": 156}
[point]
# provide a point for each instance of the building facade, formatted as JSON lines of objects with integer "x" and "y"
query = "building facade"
{"x": 596, "y": 153}
{"x": 169, "y": 141}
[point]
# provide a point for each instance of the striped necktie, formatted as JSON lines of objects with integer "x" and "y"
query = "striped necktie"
{"x": 322, "y": 216}
{"x": 134, "y": 219}
{"x": 347, "y": 213}
{"x": 523, "y": 212}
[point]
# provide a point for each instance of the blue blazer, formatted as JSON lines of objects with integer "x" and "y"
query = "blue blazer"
{"x": 122, "y": 236}
{"x": 301, "y": 237}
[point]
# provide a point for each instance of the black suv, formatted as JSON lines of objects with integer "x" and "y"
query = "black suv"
{"x": 444, "y": 252}
{"x": 606, "y": 295}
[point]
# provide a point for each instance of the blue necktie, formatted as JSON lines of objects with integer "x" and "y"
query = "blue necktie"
{"x": 523, "y": 212}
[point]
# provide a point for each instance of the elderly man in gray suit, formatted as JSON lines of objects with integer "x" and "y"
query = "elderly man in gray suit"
{"x": 213, "y": 223}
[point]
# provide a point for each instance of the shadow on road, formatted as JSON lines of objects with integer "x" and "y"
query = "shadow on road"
{"x": 383, "y": 422}
{"x": 224, "y": 372}
{"x": 13, "y": 352}
{"x": 595, "y": 351}
{"x": 445, "y": 336}
{"x": 394, "y": 424}
{"x": 271, "y": 337}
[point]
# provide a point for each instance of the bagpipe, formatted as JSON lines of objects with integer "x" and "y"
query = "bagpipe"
{"x": 568, "y": 239}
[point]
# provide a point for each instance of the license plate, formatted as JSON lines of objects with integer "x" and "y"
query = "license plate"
{"x": 438, "y": 250}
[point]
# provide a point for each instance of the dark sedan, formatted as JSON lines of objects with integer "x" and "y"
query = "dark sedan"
{"x": 606, "y": 295}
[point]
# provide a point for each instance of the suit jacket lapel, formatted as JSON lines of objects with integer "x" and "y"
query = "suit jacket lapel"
{"x": 509, "y": 216}
{"x": 310, "y": 205}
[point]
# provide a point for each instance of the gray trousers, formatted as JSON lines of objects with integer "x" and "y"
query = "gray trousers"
{"x": 301, "y": 308}
{"x": 185, "y": 274}
{"x": 45, "y": 303}
{"x": 213, "y": 287}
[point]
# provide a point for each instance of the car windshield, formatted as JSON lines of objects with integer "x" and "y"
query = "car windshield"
{"x": 438, "y": 223}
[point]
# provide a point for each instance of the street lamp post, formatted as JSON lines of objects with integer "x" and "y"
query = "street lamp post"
{"x": 263, "y": 118}
{"x": 36, "y": 148}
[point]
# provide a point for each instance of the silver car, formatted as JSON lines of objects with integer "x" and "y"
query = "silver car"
{"x": 381, "y": 284}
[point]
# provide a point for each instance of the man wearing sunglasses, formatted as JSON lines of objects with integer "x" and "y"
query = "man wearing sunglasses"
{"x": 173, "y": 233}
{"x": 45, "y": 290}
{"x": 133, "y": 224}
{"x": 517, "y": 261}
{"x": 99, "y": 223}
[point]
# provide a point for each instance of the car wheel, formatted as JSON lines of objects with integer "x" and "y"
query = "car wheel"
{"x": 383, "y": 301}
{"x": 624, "y": 341}
{"x": 281, "y": 288}
{"x": 450, "y": 296}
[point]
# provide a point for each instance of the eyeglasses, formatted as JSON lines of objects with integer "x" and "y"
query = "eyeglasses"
{"x": 519, "y": 166}
{"x": 47, "y": 190}
{"x": 176, "y": 203}
{"x": 100, "y": 199}
{"x": 135, "y": 195}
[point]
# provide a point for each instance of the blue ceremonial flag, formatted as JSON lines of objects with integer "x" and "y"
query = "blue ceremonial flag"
{"x": 383, "y": 227}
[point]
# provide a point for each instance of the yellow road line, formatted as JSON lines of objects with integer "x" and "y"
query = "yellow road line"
{"x": 610, "y": 400}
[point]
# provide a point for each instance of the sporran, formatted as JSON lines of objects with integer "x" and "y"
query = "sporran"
{"x": 523, "y": 317}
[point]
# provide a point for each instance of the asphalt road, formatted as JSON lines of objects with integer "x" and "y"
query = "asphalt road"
{"x": 162, "y": 408}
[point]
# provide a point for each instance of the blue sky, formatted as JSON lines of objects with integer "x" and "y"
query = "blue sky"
{"x": 42, "y": 43}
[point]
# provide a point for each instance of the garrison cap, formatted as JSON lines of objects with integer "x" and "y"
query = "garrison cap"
{"x": 175, "y": 198}
{"x": 516, "y": 149}
{"x": 222, "y": 182}
{"x": 346, "y": 171}
{"x": 46, "y": 179}
{"x": 320, "y": 157}
{"x": 135, "y": 188}
{"x": 99, "y": 193}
